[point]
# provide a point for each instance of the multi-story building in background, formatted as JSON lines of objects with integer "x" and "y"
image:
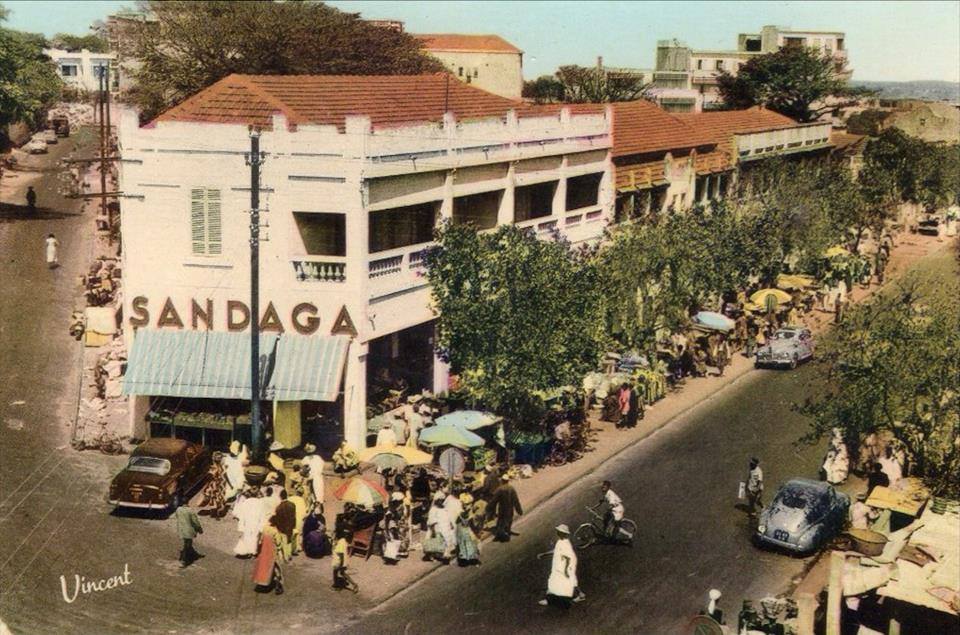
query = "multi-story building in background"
{"x": 685, "y": 79}
{"x": 488, "y": 62}
{"x": 81, "y": 69}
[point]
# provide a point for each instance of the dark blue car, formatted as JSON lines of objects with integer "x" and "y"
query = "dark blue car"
{"x": 802, "y": 516}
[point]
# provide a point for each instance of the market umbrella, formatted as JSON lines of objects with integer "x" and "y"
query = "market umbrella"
{"x": 760, "y": 297}
{"x": 400, "y": 453}
{"x": 714, "y": 321}
{"x": 468, "y": 419}
{"x": 360, "y": 491}
{"x": 789, "y": 283}
{"x": 435, "y": 436}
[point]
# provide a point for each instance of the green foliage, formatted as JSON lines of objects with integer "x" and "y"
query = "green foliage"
{"x": 869, "y": 122}
{"x": 517, "y": 315}
{"x": 29, "y": 83}
{"x": 797, "y": 82}
{"x": 92, "y": 42}
{"x": 545, "y": 89}
{"x": 194, "y": 44}
{"x": 894, "y": 364}
{"x": 900, "y": 168}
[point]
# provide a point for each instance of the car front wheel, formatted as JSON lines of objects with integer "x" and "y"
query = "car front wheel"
{"x": 793, "y": 362}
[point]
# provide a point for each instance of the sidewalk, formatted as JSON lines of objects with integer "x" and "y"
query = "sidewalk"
{"x": 379, "y": 582}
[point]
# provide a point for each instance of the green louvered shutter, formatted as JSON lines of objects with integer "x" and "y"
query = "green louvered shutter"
{"x": 198, "y": 225}
{"x": 214, "y": 227}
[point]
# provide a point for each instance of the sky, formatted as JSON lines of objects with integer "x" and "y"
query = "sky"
{"x": 901, "y": 41}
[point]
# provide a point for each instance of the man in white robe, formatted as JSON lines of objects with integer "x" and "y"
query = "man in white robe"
{"x": 562, "y": 583}
{"x": 233, "y": 465}
{"x": 249, "y": 515}
{"x": 386, "y": 438}
{"x": 315, "y": 462}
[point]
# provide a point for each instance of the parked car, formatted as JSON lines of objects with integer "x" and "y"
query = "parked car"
{"x": 161, "y": 474}
{"x": 789, "y": 346}
{"x": 802, "y": 516}
{"x": 35, "y": 146}
{"x": 61, "y": 125}
{"x": 929, "y": 225}
{"x": 49, "y": 136}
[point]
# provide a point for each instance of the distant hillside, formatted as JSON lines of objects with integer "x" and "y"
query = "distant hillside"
{"x": 927, "y": 90}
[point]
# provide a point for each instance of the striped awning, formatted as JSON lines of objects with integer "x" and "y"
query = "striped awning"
{"x": 216, "y": 365}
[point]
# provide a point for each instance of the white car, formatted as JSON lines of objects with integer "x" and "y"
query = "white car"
{"x": 789, "y": 346}
{"x": 49, "y": 136}
{"x": 35, "y": 146}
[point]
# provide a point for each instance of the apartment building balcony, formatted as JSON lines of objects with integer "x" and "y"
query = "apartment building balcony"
{"x": 397, "y": 270}
{"x": 320, "y": 268}
{"x": 705, "y": 77}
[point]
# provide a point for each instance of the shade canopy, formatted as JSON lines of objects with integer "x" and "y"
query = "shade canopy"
{"x": 216, "y": 365}
{"x": 760, "y": 297}
{"x": 360, "y": 491}
{"x": 436, "y": 436}
{"x": 469, "y": 419}
{"x": 714, "y": 321}
{"x": 794, "y": 282}
{"x": 409, "y": 456}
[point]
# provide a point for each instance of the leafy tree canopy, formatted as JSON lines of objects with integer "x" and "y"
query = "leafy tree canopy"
{"x": 517, "y": 315}
{"x": 194, "y": 44}
{"x": 92, "y": 42}
{"x": 797, "y": 82}
{"x": 29, "y": 83}
{"x": 578, "y": 84}
{"x": 894, "y": 364}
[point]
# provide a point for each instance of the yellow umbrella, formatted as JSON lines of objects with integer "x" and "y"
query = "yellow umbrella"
{"x": 750, "y": 306}
{"x": 760, "y": 296}
{"x": 788, "y": 283}
{"x": 411, "y": 456}
{"x": 836, "y": 250}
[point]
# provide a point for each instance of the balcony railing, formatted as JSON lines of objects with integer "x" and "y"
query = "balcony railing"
{"x": 398, "y": 269}
{"x": 322, "y": 270}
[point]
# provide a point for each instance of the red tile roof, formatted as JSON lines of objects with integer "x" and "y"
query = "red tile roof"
{"x": 463, "y": 42}
{"x": 844, "y": 141}
{"x": 639, "y": 127}
{"x": 722, "y": 124}
{"x": 328, "y": 99}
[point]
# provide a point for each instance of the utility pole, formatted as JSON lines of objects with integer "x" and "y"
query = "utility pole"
{"x": 104, "y": 142}
{"x": 254, "y": 160}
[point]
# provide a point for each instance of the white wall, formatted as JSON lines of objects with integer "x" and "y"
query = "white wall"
{"x": 500, "y": 73}
{"x": 85, "y": 62}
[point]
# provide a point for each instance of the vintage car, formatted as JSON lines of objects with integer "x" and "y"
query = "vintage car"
{"x": 35, "y": 146}
{"x": 789, "y": 346}
{"x": 802, "y": 516}
{"x": 161, "y": 474}
{"x": 49, "y": 136}
{"x": 929, "y": 225}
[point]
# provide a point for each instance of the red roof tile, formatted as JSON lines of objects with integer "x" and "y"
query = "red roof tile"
{"x": 639, "y": 127}
{"x": 722, "y": 124}
{"x": 464, "y": 42}
{"x": 328, "y": 99}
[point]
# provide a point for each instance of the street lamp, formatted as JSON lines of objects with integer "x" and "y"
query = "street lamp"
{"x": 255, "y": 159}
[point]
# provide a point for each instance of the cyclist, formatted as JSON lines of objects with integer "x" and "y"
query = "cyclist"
{"x": 615, "y": 510}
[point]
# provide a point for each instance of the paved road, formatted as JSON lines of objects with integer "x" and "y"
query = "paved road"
{"x": 680, "y": 486}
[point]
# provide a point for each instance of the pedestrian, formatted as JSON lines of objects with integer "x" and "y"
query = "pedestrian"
{"x": 415, "y": 423}
{"x": 300, "y": 504}
{"x": 233, "y": 468}
{"x": 341, "y": 557}
{"x": 504, "y": 504}
{"x": 442, "y": 539}
{"x": 838, "y": 307}
{"x": 32, "y": 201}
{"x": 215, "y": 489}
{"x": 345, "y": 458}
{"x": 468, "y": 545}
{"x": 836, "y": 464}
{"x": 755, "y": 486}
{"x": 614, "y": 512}
{"x": 52, "y": 251}
{"x": 267, "y": 572}
{"x": 250, "y": 517}
{"x": 562, "y": 585}
{"x": 387, "y": 437}
{"x": 314, "y": 465}
{"x": 286, "y": 515}
{"x": 751, "y": 347}
{"x": 876, "y": 478}
{"x": 713, "y": 611}
{"x": 188, "y": 527}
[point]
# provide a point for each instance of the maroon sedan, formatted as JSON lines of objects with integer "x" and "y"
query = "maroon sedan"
{"x": 161, "y": 474}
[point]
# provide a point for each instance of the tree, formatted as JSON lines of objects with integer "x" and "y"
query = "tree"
{"x": 545, "y": 89}
{"x": 191, "y": 45}
{"x": 517, "y": 315}
{"x": 598, "y": 85}
{"x": 92, "y": 42}
{"x": 797, "y": 82}
{"x": 29, "y": 82}
{"x": 894, "y": 365}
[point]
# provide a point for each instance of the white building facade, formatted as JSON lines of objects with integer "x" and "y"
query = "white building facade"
{"x": 348, "y": 214}
{"x": 81, "y": 69}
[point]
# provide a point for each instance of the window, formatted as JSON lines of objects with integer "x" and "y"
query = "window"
{"x": 479, "y": 210}
{"x": 460, "y": 71}
{"x": 753, "y": 45}
{"x": 322, "y": 234}
{"x": 533, "y": 201}
{"x": 476, "y": 73}
{"x": 402, "y": 226}
{"x": 583, "y": 191}
{"x": 839, "y": 43}
{"x": 206, "y": 231}
{"x": 68, "y": 70}
{"x": 719, "y": 65}
{"x": 699, "y": 65}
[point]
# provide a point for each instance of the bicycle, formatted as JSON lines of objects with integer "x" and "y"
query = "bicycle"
{"x": 593, "y": 532}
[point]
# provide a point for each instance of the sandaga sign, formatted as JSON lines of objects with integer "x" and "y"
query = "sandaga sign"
{"x": 303, "y": 318}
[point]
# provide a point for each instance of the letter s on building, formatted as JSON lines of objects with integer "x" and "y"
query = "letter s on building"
{"x": 141, "y": 316}
{"x": 311, "y": 324}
